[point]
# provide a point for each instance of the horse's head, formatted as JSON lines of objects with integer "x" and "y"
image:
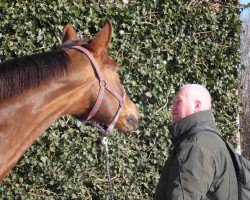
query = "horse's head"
{"x": 106, "y": 101}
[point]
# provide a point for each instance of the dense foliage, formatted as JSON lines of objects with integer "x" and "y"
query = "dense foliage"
{"x": 160, "y": 46}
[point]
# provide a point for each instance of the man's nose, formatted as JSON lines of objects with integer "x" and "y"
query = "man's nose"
{"x": 170, "y": 107}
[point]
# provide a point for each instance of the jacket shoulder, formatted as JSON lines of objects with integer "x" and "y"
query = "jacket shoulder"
{"x": 205, "y": 139}
{"x": 210, "y": 145}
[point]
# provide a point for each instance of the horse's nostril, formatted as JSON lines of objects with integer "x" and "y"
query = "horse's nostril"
{"x": 133, "y": 121}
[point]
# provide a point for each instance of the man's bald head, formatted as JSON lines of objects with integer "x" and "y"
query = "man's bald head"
{"x": 190, "y": 99}
{"x": 198, "y": 92}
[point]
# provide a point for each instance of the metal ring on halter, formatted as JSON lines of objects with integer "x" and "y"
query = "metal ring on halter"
{"x": 103, "y": 83}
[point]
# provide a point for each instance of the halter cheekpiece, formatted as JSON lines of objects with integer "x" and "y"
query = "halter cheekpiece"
{"x": 103, "y": 86}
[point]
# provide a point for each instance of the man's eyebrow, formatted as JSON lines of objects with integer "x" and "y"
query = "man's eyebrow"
{"x": 177, "y": 98}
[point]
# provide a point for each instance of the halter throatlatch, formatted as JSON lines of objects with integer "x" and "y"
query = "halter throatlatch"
{"x": 103, "y": 86}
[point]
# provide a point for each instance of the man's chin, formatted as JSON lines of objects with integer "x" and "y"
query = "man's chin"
{"x": 175, "y": 118}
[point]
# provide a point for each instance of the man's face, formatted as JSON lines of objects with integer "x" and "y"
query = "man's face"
{"x": 182, "y": 106}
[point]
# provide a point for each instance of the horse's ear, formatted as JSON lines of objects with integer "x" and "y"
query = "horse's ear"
{"x": 102, "y": 39}
{"x": 69, "y": 33}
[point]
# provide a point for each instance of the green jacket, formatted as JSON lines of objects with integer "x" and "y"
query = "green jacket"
{"x": 200, "y": 167}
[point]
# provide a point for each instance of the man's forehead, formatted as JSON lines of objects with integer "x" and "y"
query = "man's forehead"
{"x": 179, "y": 95}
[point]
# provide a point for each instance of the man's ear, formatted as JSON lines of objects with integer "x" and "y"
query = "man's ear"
{"x": 197, "y": 105}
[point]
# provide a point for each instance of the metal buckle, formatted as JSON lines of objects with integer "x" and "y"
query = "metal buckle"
{"x": 103, "y": 83}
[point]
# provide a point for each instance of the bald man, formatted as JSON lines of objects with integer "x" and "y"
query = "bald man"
{"x": 199, "y": 166}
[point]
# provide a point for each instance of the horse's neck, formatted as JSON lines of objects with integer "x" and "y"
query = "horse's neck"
{"x": 25, "y": 117}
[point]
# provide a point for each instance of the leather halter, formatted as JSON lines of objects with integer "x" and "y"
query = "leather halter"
{"x": 103, "y": 86}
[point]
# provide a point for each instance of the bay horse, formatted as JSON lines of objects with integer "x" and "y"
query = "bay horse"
{"x": 78, "y": 79}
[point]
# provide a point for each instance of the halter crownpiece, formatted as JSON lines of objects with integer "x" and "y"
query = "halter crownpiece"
{"x": 103, "y": 86}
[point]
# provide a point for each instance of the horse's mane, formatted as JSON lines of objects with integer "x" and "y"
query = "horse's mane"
{"x": 25, "y": 72}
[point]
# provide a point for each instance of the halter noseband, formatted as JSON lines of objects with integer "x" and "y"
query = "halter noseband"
{"x": 103, "y": 85}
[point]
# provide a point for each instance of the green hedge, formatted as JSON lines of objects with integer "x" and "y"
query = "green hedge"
{"x": 160, "y": 46}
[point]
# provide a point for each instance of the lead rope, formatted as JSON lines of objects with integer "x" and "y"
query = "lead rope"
{"x": 103, "y": 86}
{"x": 106, "y": 154}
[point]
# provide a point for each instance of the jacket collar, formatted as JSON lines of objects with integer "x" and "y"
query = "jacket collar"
{"x": 185, "y": 125}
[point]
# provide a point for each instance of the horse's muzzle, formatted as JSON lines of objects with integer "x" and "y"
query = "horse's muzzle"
{"x": 133, "y": 121}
